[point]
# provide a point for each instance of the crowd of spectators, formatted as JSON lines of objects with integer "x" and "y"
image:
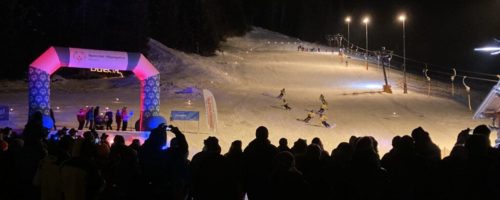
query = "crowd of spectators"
{"x": 68, "y": 166}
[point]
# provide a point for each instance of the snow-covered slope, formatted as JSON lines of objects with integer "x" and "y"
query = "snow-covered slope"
{"x": 246, "y": 75}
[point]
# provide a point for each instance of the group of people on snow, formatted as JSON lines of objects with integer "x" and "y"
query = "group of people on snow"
{"x": 312, "y": 113}
{"x": 92, "y": 118}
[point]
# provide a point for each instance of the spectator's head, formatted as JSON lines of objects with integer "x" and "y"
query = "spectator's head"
{"x": 236, "y": 147}
{"x": 119, "y": 140}
{"x": 262, "y": 133}
{"x": 395, "y": 142}
{"x": 136, "y": 144}
{"x": 482, "y": 130}
{"x": 406, "y": 144}
{"x": 374, "y": 143}
{"x": 420, "y": 135}
{"x": 284, "y": 161}
{"x": 353, "y": 140}
{"x": 104, "y": 137}
{"x": 72, "y": 132}
{"x": 365, "y": 144}
{"x": 157, "y": 138}
{"x": 212, "y": 145}
{"x": 318, "y": 142}
{"x": 283, "y": 142}
{"x": 477, "y": 145}
{"x": 343, "y": 151}
{"x": 299, "y": 146}
{"x": 87, "y": 135}
{"x": 462, "y": 137}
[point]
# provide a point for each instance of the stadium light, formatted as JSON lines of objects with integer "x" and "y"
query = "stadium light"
{"x": 348, "y": 21}
{"x": 402, "y": 18}
{"x": 366, "y": 20}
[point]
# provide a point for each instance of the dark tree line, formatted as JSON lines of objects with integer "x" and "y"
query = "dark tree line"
{"x": 198, "y": 26}
{"x": 30, "y": 27}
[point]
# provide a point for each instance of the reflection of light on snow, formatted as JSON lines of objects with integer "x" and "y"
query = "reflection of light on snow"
{"x": 361, "y": 85}
{"x": 372, "y": 86}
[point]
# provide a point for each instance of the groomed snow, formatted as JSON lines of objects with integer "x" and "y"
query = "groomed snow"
{"x": 245, "y": 76}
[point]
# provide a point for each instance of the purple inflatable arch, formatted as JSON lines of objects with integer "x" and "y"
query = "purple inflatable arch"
{"x": 56, "y": 57}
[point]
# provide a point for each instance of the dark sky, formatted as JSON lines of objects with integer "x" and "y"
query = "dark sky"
{"x": 437, "y": 32}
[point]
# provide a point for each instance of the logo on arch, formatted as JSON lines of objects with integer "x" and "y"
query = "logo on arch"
{"x": 79, "y": 56}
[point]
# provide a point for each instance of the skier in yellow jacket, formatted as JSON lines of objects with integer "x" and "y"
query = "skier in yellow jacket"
{"x": 323, "y": 119}
{"x": 323, "y": 108}
{"x": 310, "y": 115}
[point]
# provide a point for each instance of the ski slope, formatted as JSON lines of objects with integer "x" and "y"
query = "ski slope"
{"x": 245, "y": 77}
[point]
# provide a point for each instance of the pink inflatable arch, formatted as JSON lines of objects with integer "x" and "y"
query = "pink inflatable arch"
{"x": 56, "y": 57}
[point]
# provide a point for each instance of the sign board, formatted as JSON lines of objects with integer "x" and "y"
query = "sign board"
{"x": 89, "y": 58}
{"x": 211, "y": 109}
{"x": 4, "y": 113}
{"x": 184, "y": 115}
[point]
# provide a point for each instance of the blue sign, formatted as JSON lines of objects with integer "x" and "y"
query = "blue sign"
{"x": 185, "y": 115}
{"x": 4, "y": 113}
{"x": 188, "y": 90}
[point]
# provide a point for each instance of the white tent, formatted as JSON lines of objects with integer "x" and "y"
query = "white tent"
{"x": 489, "y": 107}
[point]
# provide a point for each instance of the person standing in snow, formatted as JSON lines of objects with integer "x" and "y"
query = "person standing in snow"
{"x": 96, "y": 113}
{"x": 90, "y": 117}
{"x": 126, "y": 116}
{"x": 118, "y": 119}
{"x": 310, "y": 115}
{"x": 323, "y": 119}
{"x": 282, "y": 93}
{"x": 109, "y": 119}
{"x": 80, "y": 116}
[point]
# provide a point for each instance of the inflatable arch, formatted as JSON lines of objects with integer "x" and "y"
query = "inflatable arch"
{"x": 56, "y": 57}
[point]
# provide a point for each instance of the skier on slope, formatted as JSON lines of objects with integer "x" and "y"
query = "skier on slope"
{"x": 282, "y": 93}
{"x": 285, "y": 105}
{"x": 310, "y": 115}
{"x": 323, "y": 119}
{"x": 322, "y": 108}
{"x": 322, "y": 99}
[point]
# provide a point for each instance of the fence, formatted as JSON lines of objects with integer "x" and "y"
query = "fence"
{"x": 464, "y": 86}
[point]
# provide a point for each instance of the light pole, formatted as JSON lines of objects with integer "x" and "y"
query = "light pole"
{"x": 348, "y": 21}
{"x": 402, "y": 18}
{"x": 366, "y": 20}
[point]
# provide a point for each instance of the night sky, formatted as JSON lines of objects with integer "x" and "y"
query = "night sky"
{"x": 441, "y": 33}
